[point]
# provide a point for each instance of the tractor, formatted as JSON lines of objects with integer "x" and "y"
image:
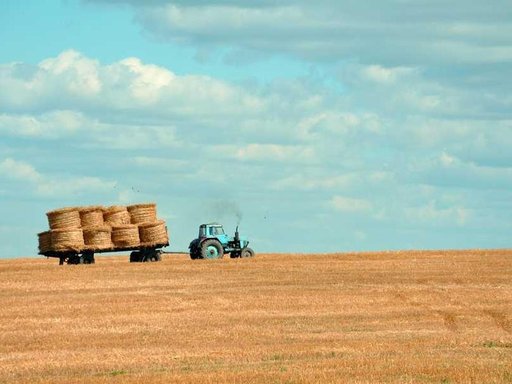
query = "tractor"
{"x": 213, "y": 243}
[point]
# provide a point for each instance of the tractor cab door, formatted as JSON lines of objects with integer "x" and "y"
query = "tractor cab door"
{"x": 218, "y": 232}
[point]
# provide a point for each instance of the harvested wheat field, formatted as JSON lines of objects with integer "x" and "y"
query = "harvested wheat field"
{"x": 393, "y": 317}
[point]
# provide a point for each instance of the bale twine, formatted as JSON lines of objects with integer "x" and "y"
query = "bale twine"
{"x": 45, "y": 241}
{"x": 68, "y": 239}
{"x": 64, "y": 218}
{"x": 142, "y": 213}
{"x": 116, "y": 215}
{"x": 91, "y": 216}
{"x": 98, "y": 238}
{"x": 124, "y": 236}
{"x": 153, "y": 233}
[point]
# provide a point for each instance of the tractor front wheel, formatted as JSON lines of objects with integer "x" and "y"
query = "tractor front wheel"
{"x": 211, "y": 249}
{"x": 247, "y": 252}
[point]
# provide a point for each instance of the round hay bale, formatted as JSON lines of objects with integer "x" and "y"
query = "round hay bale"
{"x": 116, "y": 215}
{"x": 153, "y": 233}
{"x": 142, "y": 213}
{"x": 64, "y": 218}
{"x": 124, "y": 236}
{"x": 91, "y": 216}
{"x": 98, "y": 238}
{"x": 68, "y": 239}
{"x": 45, "y": 241}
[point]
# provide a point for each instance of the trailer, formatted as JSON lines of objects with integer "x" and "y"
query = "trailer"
{"x": 138, "y": 254}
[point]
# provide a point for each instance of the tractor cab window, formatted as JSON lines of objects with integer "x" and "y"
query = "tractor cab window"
{"x": 215, "y": 231}
{"x": 202, "y": 232}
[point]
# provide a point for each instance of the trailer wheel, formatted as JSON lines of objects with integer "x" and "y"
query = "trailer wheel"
{"x": 135, "y": 257}
{"x": 88, "y": 257}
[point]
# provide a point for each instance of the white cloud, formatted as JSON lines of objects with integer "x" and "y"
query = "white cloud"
{"x": 128, "y": 87}
{"x": 20, "y": 171}
{"x": 350, "y": 204}
{"x": 434, "y": 215}
{"x": 395, "y": 33}
{"x": 48, "y": 185}
{"x": 269, "y": 152}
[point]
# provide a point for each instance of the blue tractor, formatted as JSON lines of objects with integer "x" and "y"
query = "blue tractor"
{"x": 213, "y": 243}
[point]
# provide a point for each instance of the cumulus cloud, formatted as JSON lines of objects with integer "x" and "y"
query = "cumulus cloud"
{"x": 350, "y": 204}
{"x": 72, "y": 80}
{"x": 388, "y": 32}
{"x": 50, "y": 185}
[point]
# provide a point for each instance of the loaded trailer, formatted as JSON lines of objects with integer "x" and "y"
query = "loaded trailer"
{"x": 77, "y": 233}
{"x": 86, "y": 256}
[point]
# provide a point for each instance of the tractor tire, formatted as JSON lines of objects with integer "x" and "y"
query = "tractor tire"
{"x": 234, "y": 255}
{"x": 212, "y": 249}
{"x": 247, "y": 252}
{"x": 195, "y": 254}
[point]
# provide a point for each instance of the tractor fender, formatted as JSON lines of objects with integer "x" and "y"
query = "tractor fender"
{"x": 201, "y": 241}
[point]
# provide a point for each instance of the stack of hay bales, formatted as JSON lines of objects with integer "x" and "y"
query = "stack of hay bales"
{"x": 97, "y": 235}
{"x": 96, "y": 228}
{"x": 151, "y": 230}
{"x": 65, "y": 230}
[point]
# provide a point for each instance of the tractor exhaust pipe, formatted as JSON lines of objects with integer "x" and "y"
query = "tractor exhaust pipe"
{"x": 237, "y": 236}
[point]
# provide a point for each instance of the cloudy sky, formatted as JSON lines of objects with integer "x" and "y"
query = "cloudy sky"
{"x": 326, "y": 125}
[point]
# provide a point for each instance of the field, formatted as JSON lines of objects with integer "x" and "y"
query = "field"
{"x": 392, "y": 317}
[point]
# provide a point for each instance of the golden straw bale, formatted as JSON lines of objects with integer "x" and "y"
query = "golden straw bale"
{"x": 64, "y": 218}
{"x": 91, "y": 216}
{"x": 98, "y": 238}
{"x": 45, "y": 241}
{"x": 153, "y": 233}
{"x": 125, "y": 236}
{"x": 116, "y": 215}
{"x": 142, "y": 213}
{"x": 68, "y": 239}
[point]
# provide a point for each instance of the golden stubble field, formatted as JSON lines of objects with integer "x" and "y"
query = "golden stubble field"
{"x": 397, "y": 317}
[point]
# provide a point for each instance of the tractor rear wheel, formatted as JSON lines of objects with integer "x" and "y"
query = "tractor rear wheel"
{"x": 195, "y": 254}
{"x": 247, "y": 252}
{"x": 211, "y": 249}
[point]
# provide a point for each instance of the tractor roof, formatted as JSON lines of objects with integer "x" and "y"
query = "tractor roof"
{"x": 212, "y": 225}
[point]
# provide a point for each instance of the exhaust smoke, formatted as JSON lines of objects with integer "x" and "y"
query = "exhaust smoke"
{"x": 225, "y": 209}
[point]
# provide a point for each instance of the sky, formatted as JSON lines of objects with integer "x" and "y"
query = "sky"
{"x": 321, "y": 126}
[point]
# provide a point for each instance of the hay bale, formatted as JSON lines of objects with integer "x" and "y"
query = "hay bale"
{"x": 116, "y": 215}
{"x": 98, "y": 238}
{"x": 91, "y": 216}
{"x": 64, "y": 218}
{"x": 153, "y": 233}
{"x": 125, "y": 236}
{"x": 142, "y": 213}
{"x": 67, "y": 239}
{"x": 45, "y": 241}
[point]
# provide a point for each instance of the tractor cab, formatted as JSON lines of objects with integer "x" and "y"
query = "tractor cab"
{"x": 212, "y": 242}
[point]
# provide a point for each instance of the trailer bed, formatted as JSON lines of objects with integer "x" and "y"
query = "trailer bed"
{"x": 86, "y": 256}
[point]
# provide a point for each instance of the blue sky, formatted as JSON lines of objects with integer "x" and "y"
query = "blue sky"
{"x": 329, "y": 126}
